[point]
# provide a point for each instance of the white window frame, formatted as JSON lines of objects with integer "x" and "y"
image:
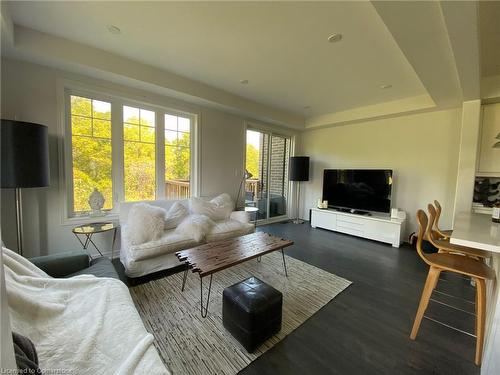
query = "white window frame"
{"x": 67, "y": 88}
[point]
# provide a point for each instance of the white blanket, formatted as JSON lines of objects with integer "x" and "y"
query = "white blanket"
{"x": 85, "y": 324}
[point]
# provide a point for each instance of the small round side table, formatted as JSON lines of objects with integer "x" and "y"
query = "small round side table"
{"x": 88, "y": 230}
{"x": 255, "y": 211}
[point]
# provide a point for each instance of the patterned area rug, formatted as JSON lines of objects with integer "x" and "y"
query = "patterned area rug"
{"x": 190, "y": 344}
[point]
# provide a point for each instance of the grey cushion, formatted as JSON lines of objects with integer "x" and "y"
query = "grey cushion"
{"x": 100, "y": 267}
{"x": 25, "y": 352}
{"x": 60, "y": 265}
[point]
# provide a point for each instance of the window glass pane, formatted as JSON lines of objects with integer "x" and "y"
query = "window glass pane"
{"x": 184, "y": 124}
{"x": 147, "y": 134}
{"x": 131, "y": 132}
{"x": 139, "y": 154}
{"x": 147, "y": 118}
{"x": 101, "y": 110}
{"x": 183, "y": 139}
{"x": 81, "y": 125}
{"x": 81, "y": 106}
{"x": 131, "y": 115}
{"x": 102, "y": 128}
{"x": 170, "y": 137}
{"x": 91, "y": 152}
{"x": 171, "y": 122}
{"x": 139, "y": 171}
{"x": 177, "y": 157}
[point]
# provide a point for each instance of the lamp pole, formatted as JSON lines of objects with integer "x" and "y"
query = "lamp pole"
{"x": 19, "y": 220}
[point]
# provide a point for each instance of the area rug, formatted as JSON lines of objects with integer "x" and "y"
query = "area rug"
{"x": 190, "y": 344}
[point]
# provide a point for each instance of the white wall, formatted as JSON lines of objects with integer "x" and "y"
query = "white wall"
{"x": 29, "y": 94}
{"x": 468, "y": 155}
{"x": 422, "y": 149}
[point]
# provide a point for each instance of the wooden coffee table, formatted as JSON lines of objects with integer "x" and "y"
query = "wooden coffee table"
{"x": 207, "y": 259}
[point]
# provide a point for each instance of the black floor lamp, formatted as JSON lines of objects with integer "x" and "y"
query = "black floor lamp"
{"x": 25, "y": 162}
{"x": 299, "y": 171}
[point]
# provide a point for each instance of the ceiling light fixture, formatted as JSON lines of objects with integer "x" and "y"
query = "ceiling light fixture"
{"x": 114, "y": 29}
{"x": 335, "y": 38}
{"x": 244, "y": 81}
{"x": 383, "y": 87}
{"x": 307, "y": 107}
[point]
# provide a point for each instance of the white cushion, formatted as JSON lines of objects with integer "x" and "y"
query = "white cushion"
{"x": 228, "y": 229}
{"x": 241, "y": 216}
{"x": 195, "y": 226}
{"x": 175, "y": 215}
{"x": 219, "y": 208}
{"x": 170, "y": 242}
{"x": 145, "y": 223}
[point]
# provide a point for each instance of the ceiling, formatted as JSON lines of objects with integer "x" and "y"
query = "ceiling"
{"x": 489, "y": 16}
{"x": 281, "y": 48}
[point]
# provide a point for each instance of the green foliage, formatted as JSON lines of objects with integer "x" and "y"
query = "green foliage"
{"x": 139, "y": 166}
{"x": 252, "y": 160}
{"x": 177, "y": 154}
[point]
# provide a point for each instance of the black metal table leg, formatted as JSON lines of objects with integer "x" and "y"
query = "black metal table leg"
{"x": 184, "y": 279}
{"x": 204, "y": 309}
{"x": 95, "y": 246}
{"x": 259, "y": 259}
{"x": 113, "y": 243}
{"x": 284, "y": 263}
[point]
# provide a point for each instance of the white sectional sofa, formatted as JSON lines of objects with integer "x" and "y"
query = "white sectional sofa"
{"x": 157, "y": 255}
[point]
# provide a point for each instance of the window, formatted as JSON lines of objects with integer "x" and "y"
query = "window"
{"x": 91, "y": 151}
{"x": 124, "y": 150}
{"x": 139, "y": 154}
{"x": 177, "y": 156}
{"x": 266, "y": 186}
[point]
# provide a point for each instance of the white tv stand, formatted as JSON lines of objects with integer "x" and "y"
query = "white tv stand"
{"x": 376, "y": 227}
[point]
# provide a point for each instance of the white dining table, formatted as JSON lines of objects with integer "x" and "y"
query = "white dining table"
{"x": 476, "y": 230}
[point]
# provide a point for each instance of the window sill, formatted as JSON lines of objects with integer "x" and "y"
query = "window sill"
{"x": 80, "y": 220}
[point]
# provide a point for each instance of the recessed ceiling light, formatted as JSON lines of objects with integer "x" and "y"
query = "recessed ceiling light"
{"x": 244, "y": 81}
{"x": 335, "y": 38}
{"x": 385, "y": 86}
{"x": 114, "y": 29}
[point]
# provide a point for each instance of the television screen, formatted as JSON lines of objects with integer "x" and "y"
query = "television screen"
{"x": 358, "y": 189}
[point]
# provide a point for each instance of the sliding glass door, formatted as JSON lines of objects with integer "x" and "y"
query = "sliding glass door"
{"x": 267, "y": 184}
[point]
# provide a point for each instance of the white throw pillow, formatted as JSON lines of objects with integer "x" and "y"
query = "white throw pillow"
{"x": 217, "y": 209}
{"x": 175, "y": 215}
{"x": 145, "y": 223}
{"x": 195, "y": 226}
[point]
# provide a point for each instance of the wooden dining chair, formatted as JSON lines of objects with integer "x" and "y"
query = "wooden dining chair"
{"x": 445, "y": 246}
{"x": 463, "y": 265}
{"x": 446, "y": 234}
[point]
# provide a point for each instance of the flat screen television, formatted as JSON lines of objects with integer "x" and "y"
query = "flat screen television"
{"x": 358, "y": 189}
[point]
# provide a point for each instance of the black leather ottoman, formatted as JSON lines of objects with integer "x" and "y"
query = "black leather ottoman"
{"x": 251, "y": 311}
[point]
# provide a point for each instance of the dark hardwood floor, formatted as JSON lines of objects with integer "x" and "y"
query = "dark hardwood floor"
{"x": 365, "y": 329}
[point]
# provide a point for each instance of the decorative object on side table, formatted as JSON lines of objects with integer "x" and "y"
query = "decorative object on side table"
{"x": 299, "y": 171}
{"x": 25, "y": 162}
{"x": 96, "y": 203}
{"x": 88, "y": 230}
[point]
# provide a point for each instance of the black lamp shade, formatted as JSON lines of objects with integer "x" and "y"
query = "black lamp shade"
{"x": 299, "y": 168}
{"x": 25, "y": 155}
